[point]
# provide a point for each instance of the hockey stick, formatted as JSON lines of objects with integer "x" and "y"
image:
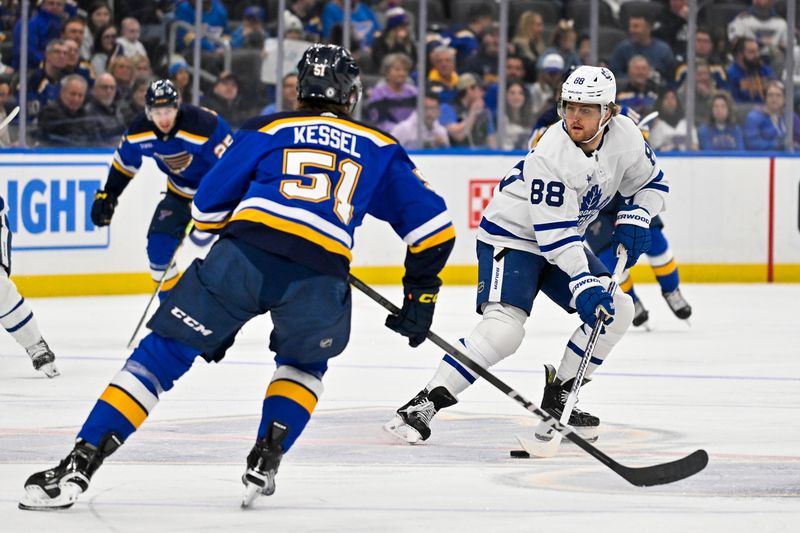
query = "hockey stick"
{"x": 647, "y": 120}
{"x": 546, "y": 444}
{"x": 9, "y": 118}
{"x": 644, "y": 476}
{"x": 172, "y": 261}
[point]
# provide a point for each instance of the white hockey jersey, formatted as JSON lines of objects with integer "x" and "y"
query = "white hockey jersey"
{"x": 546, "y": 202}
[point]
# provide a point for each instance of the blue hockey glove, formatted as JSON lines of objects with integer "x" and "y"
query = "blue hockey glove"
{"x": 103, "y": 208}
{"x": 589, "y": 294}
{"x": 414, "y": 320}
{"x": 633, "y": 232}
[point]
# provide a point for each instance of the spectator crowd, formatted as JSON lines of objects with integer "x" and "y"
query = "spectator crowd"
{"x": 89, "y": 64}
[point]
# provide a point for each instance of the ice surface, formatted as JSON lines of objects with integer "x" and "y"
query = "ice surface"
{"x": 729, "y": 384}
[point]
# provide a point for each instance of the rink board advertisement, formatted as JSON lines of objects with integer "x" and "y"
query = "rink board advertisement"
{"x": 733, "y": 218}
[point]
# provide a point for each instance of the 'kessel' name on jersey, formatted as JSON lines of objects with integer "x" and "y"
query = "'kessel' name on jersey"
{"x": 327, "y": 136}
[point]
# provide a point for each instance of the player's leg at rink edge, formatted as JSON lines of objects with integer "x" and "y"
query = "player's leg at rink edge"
{"x": 167, "y": 228}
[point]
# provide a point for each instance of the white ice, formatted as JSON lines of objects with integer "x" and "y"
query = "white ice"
{"x": 730, "y": 384}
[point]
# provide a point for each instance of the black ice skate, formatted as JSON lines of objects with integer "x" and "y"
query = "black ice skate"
{"x": 263, "y": 462}
{"x": 640, "y": 315}
{"x": 553, "y": 401}
{"x": 59, "y": 487}
{"x": 412, "y": 421}
{"x": 43, "y": 359}
{"x": 678, "y": 304}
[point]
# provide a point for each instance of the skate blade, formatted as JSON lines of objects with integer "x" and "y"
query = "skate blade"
{"x": 400, "y": 430}
{"x": 49, "y": 370}
{"x": 251, "y": 491}
{"x": 36, "y": 499}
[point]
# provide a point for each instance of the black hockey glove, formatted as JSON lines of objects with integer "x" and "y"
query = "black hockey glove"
{"x": 103, "y": 208}
{"x": 414, "y": 320}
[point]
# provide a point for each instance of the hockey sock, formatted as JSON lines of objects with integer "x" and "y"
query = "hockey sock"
{"x": 15, "y": 315}
{"x": 623, "y": 316}
{"x": 663, "y": 262}
{"x": 151, "y": 369}
{"x": 160, "y": 249}
{"x": 291, "y": 398}
{"x": 496, "y": 336}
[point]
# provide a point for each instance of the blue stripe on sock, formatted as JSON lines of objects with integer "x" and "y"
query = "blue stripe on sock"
{"x": 24, "y": 321}
{"x": 461, "y": 370}
{"x": 21, "y": 300}
{"x": 594, "y": 360}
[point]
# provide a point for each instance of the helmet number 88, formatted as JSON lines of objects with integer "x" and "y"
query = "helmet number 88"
{"x": 552, "y": 194}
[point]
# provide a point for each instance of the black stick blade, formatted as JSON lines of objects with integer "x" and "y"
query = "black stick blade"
{"x": 662, "y": 474}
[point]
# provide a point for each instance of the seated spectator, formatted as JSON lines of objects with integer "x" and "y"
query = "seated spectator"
{"x": 130, "y": 31}
{"x": 108, "y": 112}
{"x": 466, "y": 41}
{"x": 563, "y": 42}
{"x": 484, "y": 63}
{"x": 307, "y": 13}
{"x": 225, "y": 100}
{"x": 515, "y": 71}
{"x": 640, "y": 92}
{"x": 5, "y": 109}
{"x": 105, "y": 46}
{"x": 704, "y": 51}
{"x": 74, "y": 29}
{"x": 763, "y": 24}
{"x": 214, "y": 18}
{"x": 74, "y": 64}
{"x": 363, "y": 22}
{"x": 434, "y": 135}
{"x": 250, "y": 33}
{"x": 393, "y": 99}
{"x": 121, "y": 68}
{"x": 472, "y": 125}
{"x": 395, "y": 39}
{"x": 519, "y": 118}
{"x": 672, "y": 26}
{"x": 640, "y": 41}
{"x": 43, "y": 27}
{"x": 722, "y": 132}
{"x": 528, "y": 40}
{"x": 43, "y": 86}
{"x": 65, "y": 121}
{"x": 99, "y": 16}
{"x": 669, "y": 131}
{"x": 550, "y": 73}
{"x": 141, "y": 67}
{"x": 765, "y": 127}
{"x": 443, "y": 73}
{"x": 182, "y": 78}
{"x": 747, "y": 77}
{"x": 704, "y": 90}
{"x": 136, "y": 102}
{"x": 288, "y": 95}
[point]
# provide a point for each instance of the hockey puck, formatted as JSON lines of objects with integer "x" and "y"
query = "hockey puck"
{"x": 520, "y": 454}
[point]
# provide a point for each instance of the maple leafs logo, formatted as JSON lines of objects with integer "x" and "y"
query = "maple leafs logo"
{"x": 590, "y": 203}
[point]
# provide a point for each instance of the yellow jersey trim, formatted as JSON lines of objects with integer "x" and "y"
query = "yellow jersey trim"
{"x": 338, "y": 121}
{"x": 434, "y": 240}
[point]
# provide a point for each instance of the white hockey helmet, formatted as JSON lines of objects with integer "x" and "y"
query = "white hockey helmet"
{"x": 589, "y": 85}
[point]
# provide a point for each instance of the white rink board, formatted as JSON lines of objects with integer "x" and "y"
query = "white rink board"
{"x": 717, "y": 214}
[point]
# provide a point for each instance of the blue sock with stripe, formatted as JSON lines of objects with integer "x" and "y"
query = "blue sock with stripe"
{"x": 152, "y": 368}
{"x": 291, "y": 398}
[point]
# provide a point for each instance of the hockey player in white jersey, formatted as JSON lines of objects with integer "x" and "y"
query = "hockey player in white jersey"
{"x": 15, "y": 315}
{"x": 531, "y": 239}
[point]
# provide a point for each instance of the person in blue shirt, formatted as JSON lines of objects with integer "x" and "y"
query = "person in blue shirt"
{"x": 765, "y": 127}
{"x": 641, "y": 42}
{"x": 43, "y": 27}
{"x": 747, "y": 76}
{"x": 185, "y": 141}
{"x": 285, "y": 199}
{"x": 215, "y": 22}
{"x": 364, "y": 22}
{"x": 722, "y": 132}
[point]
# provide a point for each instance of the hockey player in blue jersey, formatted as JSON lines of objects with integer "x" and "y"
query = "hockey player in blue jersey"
{"x": 530, "y": 240}
{"x": 660, "y": 257}
{"x": 285, "y": 199}
{"x": 185, "y": 141}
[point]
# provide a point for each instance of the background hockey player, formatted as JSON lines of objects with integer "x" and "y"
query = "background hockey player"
{"x": 286, "y": 199}
{"x": 530, "y": 239}
{"x": 15, "y": 314}
{"x": 185, "y": 141}
{"x": 659, "y": 256}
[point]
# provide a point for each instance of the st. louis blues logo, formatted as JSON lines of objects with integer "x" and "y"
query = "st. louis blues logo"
{"x": 591, "y": 203}
{"x": 177, "y": 163}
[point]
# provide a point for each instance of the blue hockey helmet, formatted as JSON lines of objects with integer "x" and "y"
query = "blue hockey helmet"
{"x": 329, "y": 73}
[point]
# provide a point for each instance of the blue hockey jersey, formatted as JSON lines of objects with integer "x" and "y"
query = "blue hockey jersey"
{"x": 298, "y": 184}
{"x": 185, "y": 154}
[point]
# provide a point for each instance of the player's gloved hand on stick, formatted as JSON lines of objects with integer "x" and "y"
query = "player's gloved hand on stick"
{"x": 103, "y": 208}
{"x": 590, "y": 294}
{"x": 414, "y": 320}
{"x": 632, "y": 232}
